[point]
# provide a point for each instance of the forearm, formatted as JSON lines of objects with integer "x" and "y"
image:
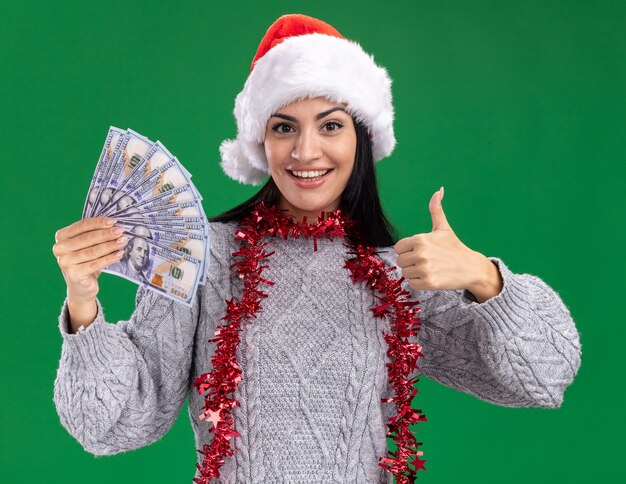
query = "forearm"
{"x": 120, "y": 386}
{"x": 527, "y": 338}
{"x": 518, "y": 349}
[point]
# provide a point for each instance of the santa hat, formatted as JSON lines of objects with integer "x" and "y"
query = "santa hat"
{"x": 303, "y": 57}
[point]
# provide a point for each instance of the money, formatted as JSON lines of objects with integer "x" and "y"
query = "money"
{"x": 169, "y": 272}
{"x": 191, "y": 243}
{"x": 110, "y": 144}
{"x": 156, "y": 172}
{"x": 183, "y": 209}
{"x": 104, "y": 193}
{"x": 132, "y": 150}
{"x": 145, "y": 187}
{"x": 166, "y": 199}
{"x": 180, "y": 228}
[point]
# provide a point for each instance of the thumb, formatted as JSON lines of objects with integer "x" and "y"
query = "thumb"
{"x": 436, "y": 212}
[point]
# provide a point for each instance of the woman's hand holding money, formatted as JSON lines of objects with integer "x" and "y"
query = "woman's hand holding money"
{"x": 82, "y": 250}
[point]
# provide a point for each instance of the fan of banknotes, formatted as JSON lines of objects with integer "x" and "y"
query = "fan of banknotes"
{"x": 141, "y": 184}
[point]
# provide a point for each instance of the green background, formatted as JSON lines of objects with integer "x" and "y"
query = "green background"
{"x": 516, "y": 108}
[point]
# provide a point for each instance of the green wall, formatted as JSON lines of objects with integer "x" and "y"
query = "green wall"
{"x": 517, "y": 108}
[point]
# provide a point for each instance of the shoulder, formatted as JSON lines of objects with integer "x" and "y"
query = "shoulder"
{"x": 221, "y": 246}
{"x": 221, "y": 232}
{"x": 222, "y": 238}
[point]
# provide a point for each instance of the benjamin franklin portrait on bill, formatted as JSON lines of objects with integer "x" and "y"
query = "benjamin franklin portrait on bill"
{"x": 135, "y": 260}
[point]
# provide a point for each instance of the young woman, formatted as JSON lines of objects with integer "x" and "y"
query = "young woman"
{"x": 302, "y": 349}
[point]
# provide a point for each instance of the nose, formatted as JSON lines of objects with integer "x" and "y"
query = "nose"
{"x": 307, "y": 147}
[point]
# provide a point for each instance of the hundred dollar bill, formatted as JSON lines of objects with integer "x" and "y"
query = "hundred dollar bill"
{"x": 168, "y": 272}
{"x": 159, "y": 235}
{"x": 146, "y": 169}
{"x": 166, "y": 220}
{"x": 145, "y": 220}
{"x": 181, "y": 228}
{"x": 103, "y": 194}
{"x": 169, "y": 198}
{"x": 169, "y": 176}
{"x": 110, "y": 144}
{"x": 161, "y": 180}
{"x": 195, "y": 245}
{"x": 184, "y": 209}
{"x": 134, "y": 150}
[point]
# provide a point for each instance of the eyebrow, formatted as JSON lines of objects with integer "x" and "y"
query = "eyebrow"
{"x": 317, "y": 116}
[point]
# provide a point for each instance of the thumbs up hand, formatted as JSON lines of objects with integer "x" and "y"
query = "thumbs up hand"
{"x": 438, "y": 260}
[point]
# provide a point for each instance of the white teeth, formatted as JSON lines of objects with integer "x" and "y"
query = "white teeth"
{"x": 309, "y": 174}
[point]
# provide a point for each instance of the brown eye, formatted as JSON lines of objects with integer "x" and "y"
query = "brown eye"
{"x": 335, "y": 123}
{"x": 278, "y": 127}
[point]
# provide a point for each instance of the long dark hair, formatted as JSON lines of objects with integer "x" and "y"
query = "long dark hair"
{"x": 359, "y": 200}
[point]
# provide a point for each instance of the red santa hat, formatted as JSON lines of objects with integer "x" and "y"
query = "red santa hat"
{"x": 303, "y": 57}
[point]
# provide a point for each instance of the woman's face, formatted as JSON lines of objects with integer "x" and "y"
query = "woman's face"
{"x": 308, "y": 136}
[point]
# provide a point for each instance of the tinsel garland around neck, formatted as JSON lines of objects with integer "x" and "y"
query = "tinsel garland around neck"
{"x": 221, "y": 382}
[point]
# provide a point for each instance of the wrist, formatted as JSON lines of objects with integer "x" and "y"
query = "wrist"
{"x": 81, "y": 313}
{"x": 488, "y": 280}
{"x": 79, "y": 303}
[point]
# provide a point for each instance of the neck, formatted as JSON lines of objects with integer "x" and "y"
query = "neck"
{"x": 312, "y": 216}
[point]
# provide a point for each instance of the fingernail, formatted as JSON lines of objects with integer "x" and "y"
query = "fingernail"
{"x": 442, "y": 192}
{"x": 117, "y": 231}
{"x": 110, "y": 221}
{"x": 122, "y": 239}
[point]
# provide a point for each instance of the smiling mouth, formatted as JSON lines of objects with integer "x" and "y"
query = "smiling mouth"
{"x": 311, "y": 178}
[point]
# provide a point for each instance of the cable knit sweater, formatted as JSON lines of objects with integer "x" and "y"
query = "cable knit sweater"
{"x": 313, "y": 363}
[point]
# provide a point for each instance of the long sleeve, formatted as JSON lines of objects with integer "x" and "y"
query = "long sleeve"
{"x": 519, "y": 348}
{"x": 121, "y": 386}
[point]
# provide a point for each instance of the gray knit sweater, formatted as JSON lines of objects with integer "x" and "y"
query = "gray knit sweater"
{"x": 313, "y": 363}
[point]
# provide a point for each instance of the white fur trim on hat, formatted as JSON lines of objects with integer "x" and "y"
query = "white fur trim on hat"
{"x": 308, "y": 66}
